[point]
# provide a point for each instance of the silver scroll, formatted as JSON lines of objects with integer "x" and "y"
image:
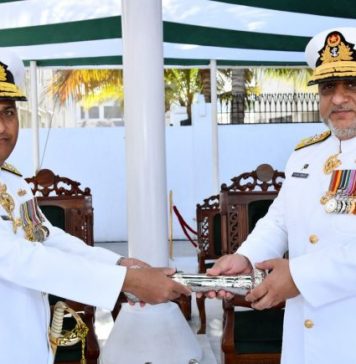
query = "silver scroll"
{"x": 239, "y": 284}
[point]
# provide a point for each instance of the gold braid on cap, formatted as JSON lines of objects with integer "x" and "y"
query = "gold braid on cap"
{"x": 8, "y": 89}
{"x": 337, "y": 59}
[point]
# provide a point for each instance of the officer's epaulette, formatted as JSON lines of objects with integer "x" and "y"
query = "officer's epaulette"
{"x": 313, "y": 140}
{"x": 9, "y": 168}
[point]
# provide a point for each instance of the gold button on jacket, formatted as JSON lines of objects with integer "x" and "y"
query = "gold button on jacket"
{"x": 313, "y": 239}
{"x": 308, "y": 324}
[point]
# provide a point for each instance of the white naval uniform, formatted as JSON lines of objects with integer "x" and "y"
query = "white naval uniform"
{"x": 63, "y": 265}
{"x": 323, "y": 266}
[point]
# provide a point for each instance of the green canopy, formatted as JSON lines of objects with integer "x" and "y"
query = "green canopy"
{"x": 73, "y": 33}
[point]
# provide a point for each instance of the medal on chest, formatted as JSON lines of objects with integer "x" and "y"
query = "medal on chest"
{"x": 341, "y": 196}
{"x": 31, "y": 219}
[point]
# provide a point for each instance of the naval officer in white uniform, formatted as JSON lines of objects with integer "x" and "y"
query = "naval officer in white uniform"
{"x": 37, "y": 259}
{"x": 314, "y": 219}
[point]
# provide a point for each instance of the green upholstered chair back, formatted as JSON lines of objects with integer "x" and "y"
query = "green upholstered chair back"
{"x": 256, "y": 210}
{"x": 217, "y": 234}
{"x": 55, "y": 215}
{"x": 259, "y": 331}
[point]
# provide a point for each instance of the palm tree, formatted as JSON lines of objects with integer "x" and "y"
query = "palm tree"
{"x": 242, "y": 85}
{"x": 299, "y": 76}
{"x": 205, "y": 77}
{"x": 90, "y": 87}
{"x": 180, "y": 86}
{"x": 238, "y": 91}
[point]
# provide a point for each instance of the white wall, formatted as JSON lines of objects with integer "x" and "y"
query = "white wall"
{"x": 95, "y": 157}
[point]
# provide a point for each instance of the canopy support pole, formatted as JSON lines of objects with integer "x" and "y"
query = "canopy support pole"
{"x": 158, "y": 334}
{"x": 214, "y": 128}
{"x": 34, "y": 117}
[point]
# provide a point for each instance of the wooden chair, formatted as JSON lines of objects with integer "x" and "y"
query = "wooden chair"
{"x": 64, "y": 203}
{"x": 244, "y": 202}
{"x": 249, "y": 336}
{"x": 209, "y": 244}
{"x": 69, "y": 207}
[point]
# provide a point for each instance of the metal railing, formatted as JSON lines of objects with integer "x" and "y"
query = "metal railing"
{"x": 269, "y": 108}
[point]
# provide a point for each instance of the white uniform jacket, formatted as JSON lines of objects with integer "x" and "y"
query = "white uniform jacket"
{"x": 62, "y": 265}
{"x": 322, "y": 251}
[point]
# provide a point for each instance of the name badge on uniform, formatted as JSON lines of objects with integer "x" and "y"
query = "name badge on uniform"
{"x": 300, "y": 175}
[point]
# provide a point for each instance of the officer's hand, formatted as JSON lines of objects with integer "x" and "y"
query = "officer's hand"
{"x": 153, "y": 285}
{"x": 276, "y": 287}
{"x": 228, "y": 265}
{"x": 133, "y": 262}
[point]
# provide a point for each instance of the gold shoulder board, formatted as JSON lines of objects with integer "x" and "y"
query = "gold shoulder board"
{"x": 9, "y": 168}
{"x": 313, "y": 140}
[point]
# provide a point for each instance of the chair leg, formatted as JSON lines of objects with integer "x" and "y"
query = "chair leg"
{"x": 202, "y": 314}
{"x": 185, "y": 304}
{"x": 227, "y": 340}
{"x": 116, "y": 309}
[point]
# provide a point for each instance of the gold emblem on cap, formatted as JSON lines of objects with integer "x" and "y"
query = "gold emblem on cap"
{"x": 335, "y": 50}
{"x": 337, "y": 58}
{"x": 333, "y": 40}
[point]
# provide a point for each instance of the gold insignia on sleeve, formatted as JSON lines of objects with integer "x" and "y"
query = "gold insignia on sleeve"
{"x": 313, "y": 140}
{"x": 10, "y": 168}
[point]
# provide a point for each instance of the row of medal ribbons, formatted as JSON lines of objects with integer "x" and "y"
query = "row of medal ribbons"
{"x": 341, "y": 197}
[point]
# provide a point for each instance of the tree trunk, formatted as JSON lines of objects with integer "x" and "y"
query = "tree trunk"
{"x": 205, "y": 81}
{"x": 238, "y": 90}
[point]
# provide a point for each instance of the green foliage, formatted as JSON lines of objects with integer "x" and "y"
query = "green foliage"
{"x": 298, "y": 76}
{"x": 90, "y": 87}
{"x": 180, "y": 87}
